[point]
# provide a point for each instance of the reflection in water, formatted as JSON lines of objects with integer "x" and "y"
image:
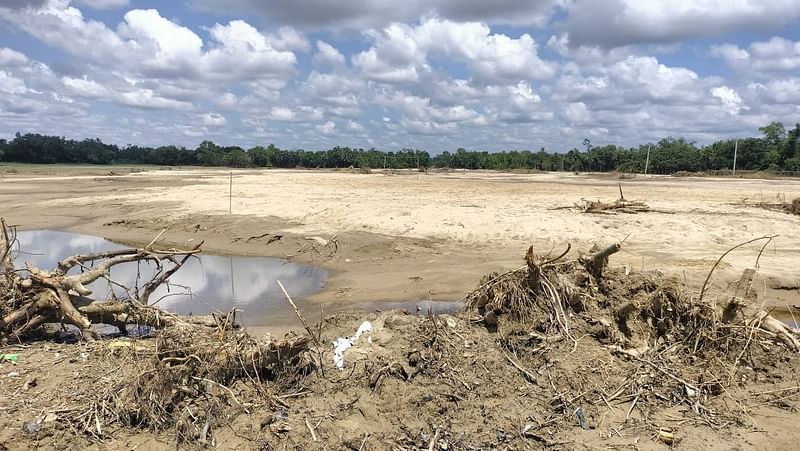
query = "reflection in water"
{"x": 205, "y": 284}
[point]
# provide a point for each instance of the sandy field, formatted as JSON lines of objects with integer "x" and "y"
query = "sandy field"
{"x": 418, "y": 236}
{"x": 425, "y": 382}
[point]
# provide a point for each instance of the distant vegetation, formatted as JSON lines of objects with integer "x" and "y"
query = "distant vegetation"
{"x": 776, "y": 150}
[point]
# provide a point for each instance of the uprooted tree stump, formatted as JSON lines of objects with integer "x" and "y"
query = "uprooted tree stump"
{"x": 32, "y": 298}
{"x": 557, "y": 290}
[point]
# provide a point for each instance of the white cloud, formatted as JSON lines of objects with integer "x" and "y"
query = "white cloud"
{"x": 401, "y": 52}
{"x": 355, "y": 126}
{"x": 281, "y": 114}
{"x": 287, "y": 39}
{"x": 780, "y": 91}
{"x": 328, "y": 56}
{"x": 576, "y": 112}
{"x": 328, "y": 128}
{"x": 10, "y": 84}
{"x": 147, "y": 98}
{"x": 62, "y": 26}
{"x": 213, "y": 119}
{"x": 765, "y": 57}
{"x": 86, "y": 88}
{"x": 165, "y": 45}
{"x": 394, "y": 58}
{"x": 731, "y": 102}
{"x": 246, "y": 51}
{"x": 444, "y": 80}
{"x": 10, "y": 57}
{"x": 147, "y": 43}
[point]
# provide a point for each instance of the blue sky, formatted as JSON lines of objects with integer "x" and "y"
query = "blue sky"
{"x": 435, "y": 75}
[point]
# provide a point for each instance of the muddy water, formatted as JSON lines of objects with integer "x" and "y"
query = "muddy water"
{"x": 212, "y": 283}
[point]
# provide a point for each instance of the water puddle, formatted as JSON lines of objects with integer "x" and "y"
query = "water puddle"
{"x": 212, "y": 283}
{"x": 208, "y": 283}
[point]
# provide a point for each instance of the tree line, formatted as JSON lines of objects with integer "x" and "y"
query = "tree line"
{"x": 776, "y": 149}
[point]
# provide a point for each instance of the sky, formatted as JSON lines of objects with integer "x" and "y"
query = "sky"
{"x": 427, "y": 74}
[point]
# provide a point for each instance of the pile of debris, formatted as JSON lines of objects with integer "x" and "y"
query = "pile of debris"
{"x": 620, "y": 205}
{"x": 183, "y": 382}
{"x": 780, "y": 204}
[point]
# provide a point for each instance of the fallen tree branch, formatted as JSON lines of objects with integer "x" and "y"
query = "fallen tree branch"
{"x": 55, "y": 296}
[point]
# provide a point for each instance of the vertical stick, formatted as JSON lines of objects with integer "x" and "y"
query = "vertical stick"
{"x": 647, "y": 162}
{"x": 233, "y": 285}
{"x": 230, "y": 195}
{"x": 735, "y": 151}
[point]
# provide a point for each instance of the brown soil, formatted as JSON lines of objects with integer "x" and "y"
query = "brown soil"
{"x": 421, "y": 378}
{"x": 406, "y": 238}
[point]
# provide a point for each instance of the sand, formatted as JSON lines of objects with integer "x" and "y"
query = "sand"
{"x": 422, "y": 235}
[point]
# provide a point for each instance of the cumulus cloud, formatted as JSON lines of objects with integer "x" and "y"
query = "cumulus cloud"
{"x": 731, "y": 102}
{"x": 328, "y": 56}
{"x": 781, "y": 91}
{"x": 87, "y": 88}
{"x": 148, "y": 43}
{"x": 775, "y": 55}
{"x": 442, "y": 78}
{"x": 615, "y": 23}
{"x": 287, "y": 38}
{"x": 147, "y": 98}
{"x": 400, "y": 53}
{"x": 10, "y": 57}
{"x": 10, "y": 84}
{"x": 213, "y": 119}
{"x": 328, "y": 128}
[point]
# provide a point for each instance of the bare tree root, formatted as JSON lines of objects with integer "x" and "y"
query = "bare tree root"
{"x": 743, "y": 307}
{"x": 631, "y": 310}
{"x": 31, "y": 298}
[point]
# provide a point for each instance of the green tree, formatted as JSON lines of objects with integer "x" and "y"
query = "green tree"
{"x": 236, "y": 158}
{"x": 209, "y": 154}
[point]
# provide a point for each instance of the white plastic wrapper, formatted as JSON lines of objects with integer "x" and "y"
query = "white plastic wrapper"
{"x": 343, "y": 343}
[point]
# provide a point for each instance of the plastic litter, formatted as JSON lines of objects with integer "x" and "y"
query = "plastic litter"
{"x": 581, "y": 418}
{"x": 31, "y": 427}
{"x": 341, "y": 344}
{"x": 9, "y": 357}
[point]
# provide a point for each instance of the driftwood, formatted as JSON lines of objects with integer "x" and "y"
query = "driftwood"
{"x": 31, "y": 298}
{"x": 780, "y": 204}
{"x": 620, "y": 205}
